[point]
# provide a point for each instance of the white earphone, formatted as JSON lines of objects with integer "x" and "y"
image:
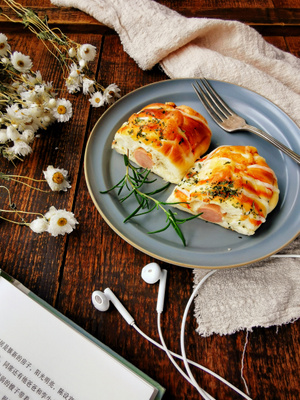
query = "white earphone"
{"x": 151, "y": 274}
{"x": 101, "y": 301}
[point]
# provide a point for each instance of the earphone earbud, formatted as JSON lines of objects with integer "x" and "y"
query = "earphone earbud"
{"x": 152, "y": 273}
{"x": 101, "y": 301}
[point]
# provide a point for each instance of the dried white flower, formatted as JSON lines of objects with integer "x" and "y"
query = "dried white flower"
{"x": 3, "y": 135}
{"x": 60, "y": 221}
{"x": 111, "y": 93}
{"x": 72, "y": 52}
{"x": 12, "y": 133}
{"x": 35, "y": 111}
{"x": 82, "y": 63}
{"x": 97, "y": 99}
{"x": 21, "y": 62}
{"x": 88, "y": 86}
{"x": 29, "y": 120}
{"x": 57, "y": 178}
{"x": 28, "y": 136}
{"x": 39, "y": 225}
{"x": 33, "y": 79}
{"x": 87, "y": 52}
{"x": 73, "y": 84}
{"x": 20, "y": 148}
{"x": 63, "y": 110}
{"x": 46, "y": 119}
{"x": 5, "y": 60}
{"x": 75, "y": 71}
{"x": 4, "y": 46}
{"x": 13, "y": 112}
{"x": 30, "y": 104}
{"x": 51, "y": 103}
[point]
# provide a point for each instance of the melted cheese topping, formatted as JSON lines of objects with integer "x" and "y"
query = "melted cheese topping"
{"x": 236, "y": 179}
{"x": 174, "y": 137}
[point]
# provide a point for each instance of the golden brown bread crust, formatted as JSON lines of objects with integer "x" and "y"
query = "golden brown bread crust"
{"x": 233, "y": 186}
{"x": 165, "y": 131}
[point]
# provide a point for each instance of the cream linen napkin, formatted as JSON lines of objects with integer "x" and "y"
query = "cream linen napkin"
{"x": 267, "y": 293}
{"x": 193, "y": 47}
{"x": 263, "y": 294}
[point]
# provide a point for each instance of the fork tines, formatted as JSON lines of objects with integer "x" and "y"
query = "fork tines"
{"x": 213, "y": 103}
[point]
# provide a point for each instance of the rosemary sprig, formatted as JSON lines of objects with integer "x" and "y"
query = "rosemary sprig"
{"x": 133, "y": 180}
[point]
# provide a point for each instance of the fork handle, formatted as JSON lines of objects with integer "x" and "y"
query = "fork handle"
{"x": 273, "y": 141}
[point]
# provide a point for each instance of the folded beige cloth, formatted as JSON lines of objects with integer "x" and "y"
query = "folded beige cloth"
{"x": 267, "y": 293}
{"x": 263, "y": 294}
{"x": 194, "y": 47}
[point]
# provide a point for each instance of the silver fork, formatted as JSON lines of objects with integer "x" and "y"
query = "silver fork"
{"x": 228, "y": 120}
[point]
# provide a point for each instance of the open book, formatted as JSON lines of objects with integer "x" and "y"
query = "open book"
{"x": 43, "y": 355}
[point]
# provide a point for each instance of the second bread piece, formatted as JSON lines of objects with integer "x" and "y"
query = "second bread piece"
{"x": 233, "y": 187}
{"x": 164, "y": 138}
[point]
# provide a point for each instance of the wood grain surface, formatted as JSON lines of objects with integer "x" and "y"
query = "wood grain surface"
{"x": 65, "y": 270}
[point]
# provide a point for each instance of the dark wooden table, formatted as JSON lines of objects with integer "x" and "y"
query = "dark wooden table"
{"x": 65, "y": 270}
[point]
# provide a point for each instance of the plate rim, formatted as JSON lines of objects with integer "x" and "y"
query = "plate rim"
{"x": 143, "y": 249}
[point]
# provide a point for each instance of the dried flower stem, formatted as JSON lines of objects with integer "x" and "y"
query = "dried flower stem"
{"x": 72, "y": 56}
{"x": 41, "y": 30}
{"x": 13, "y": 178}
{"x": 12, "y": 221}
{"x": 14, "y": 210}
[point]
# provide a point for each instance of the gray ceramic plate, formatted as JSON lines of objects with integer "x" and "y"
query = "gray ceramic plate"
{"x": 208, "y": 245}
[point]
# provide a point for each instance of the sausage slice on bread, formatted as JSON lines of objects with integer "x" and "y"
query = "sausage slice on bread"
{"x": 233, "y": 187}
{"x": 164, "y": 138}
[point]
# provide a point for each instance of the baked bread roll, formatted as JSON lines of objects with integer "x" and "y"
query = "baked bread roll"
{"x": 233, "y": 187}
{"x": 164, "y": 138}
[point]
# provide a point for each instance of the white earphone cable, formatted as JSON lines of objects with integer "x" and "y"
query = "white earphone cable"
{"x": 202, "y": 392}
{"x": 214, "y": 374}
{"x": 191, "y": 376}
{"x": 286, "y": 256}
{"x": 101, "y": 301}
{"x": 182, "y": 343}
